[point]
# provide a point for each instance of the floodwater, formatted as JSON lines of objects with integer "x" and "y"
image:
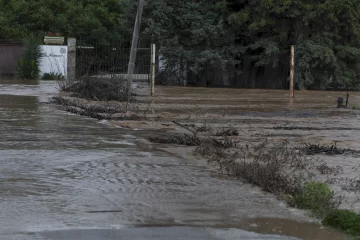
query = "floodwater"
{"x": 64, "y": 176}
{"x": 312, "y": 117}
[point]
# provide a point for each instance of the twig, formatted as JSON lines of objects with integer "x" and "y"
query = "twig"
{"x": 147, "y": 109}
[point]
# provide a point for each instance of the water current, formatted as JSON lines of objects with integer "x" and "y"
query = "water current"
{"x": 64, "y": 176}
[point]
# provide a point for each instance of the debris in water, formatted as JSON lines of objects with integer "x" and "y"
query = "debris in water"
{"x": 312, "y": 149}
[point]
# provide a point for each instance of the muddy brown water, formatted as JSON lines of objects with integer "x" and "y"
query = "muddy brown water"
{"x": 311, "y": 117}
{"x": 64, "y": 176}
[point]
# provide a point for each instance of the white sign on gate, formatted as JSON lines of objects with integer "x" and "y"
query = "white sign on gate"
{"x": 54, "y": 60}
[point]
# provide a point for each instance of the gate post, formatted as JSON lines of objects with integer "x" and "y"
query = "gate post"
{"x": 292, "y": 66}
{"x": 71, "y": 61}
{"x": 152, "y": 72}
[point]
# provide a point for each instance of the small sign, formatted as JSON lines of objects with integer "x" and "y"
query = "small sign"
{"x": 52, "y": 55}
{"x": 54, "y": 59}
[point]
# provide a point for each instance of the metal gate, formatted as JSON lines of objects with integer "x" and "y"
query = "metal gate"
{"x": 109, "y": 58}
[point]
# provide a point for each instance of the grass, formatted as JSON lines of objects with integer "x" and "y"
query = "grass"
{"x": 344, "y": 220}
{"x": 317, "y": 198}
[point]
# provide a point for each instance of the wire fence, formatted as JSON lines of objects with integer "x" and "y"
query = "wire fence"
{"x": 109, "y": 58}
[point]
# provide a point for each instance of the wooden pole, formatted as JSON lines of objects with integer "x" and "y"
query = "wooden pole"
{"x": 133, "y": 51}
{"x": 347, "y": 99}
{"x": 292, "y": 70}
{"x": 153, "y": 54}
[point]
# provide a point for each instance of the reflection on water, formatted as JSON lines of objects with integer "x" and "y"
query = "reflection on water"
{"x": 61, "y": 171}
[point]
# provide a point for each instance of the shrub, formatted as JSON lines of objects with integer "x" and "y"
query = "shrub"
{"x": 28, "y": 65}
{"x": 53, "y": 76}
{"x": 101, "y": 89}
{"x": 316, "y": 197}
{"x": 344, "y": 220}
{"x": 27, "y": 69}
{"x": 271, "y": 168}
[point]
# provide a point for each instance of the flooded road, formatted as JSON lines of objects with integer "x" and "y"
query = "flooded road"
{"x": 64, "y": 176}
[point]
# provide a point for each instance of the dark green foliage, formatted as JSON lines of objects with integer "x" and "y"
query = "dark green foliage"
{"x": 316, "y": 197}
{"x": 192, "y": 34}
{"x": 53, "y": 76}
{"x": 344, "y": 220}
{"x": 28, "y": 66}
{"x": 27, "y": 69}
{"x": 253, "y": 39}
{"x": 326, "y": 35}
{"x": 228, "y": 42}
{"x": 73, "y": 18}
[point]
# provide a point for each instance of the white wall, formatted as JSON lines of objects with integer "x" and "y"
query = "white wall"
{"x": 54, "y": 60}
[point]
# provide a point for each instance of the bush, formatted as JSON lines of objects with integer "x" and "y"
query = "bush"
{"x": 344, "y": 220}
{"x": 53, "y": 76}
{"x": 27, "y": 69}
{"x": 271, "y": 168}
{"x": 101, "y": 89}
{"x": 316, "y": 197}
{"x": 28, "y": 65}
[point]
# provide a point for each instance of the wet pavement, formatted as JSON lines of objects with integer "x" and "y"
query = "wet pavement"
{"x": 64, "y": 176}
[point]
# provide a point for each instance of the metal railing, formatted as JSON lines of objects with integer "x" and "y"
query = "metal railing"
{"x": 110, "y": 57}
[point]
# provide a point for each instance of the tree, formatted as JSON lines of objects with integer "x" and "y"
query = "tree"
{"x": 191, "y": 35}
{"x": 243, "y": 42}
{"x": 75, "y": 18}
{"x": 326, "y": 34}
{"x": 254, "y": 37}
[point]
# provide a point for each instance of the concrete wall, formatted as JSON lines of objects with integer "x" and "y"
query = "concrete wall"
{"x": 55, "y": 59}
{"x": 71, "y": 61}
{"x": 9, "y": 55}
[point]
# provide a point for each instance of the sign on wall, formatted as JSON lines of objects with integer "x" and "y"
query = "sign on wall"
{"x": 54, "y": 60}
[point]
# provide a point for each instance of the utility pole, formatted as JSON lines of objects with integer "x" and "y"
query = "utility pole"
{"x": 134, "y": 44}
{"x": 292, "y": 70}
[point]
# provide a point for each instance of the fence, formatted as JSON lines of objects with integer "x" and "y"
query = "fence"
{"x": 110, "y": 57}
{"x": 10, "y": 53}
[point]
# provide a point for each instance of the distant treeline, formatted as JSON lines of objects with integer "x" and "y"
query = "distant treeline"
{"x": 239, "y": 43}
{"x": 246, "y": 43}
